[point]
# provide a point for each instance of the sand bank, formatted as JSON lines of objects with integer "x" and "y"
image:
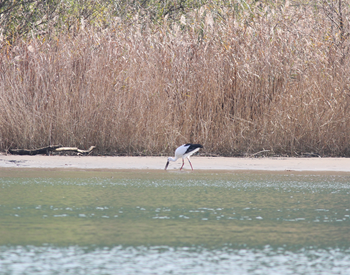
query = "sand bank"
{"x": 198, "y": 162}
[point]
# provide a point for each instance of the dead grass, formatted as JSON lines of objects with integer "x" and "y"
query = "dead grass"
{"x": 273, "y": 79}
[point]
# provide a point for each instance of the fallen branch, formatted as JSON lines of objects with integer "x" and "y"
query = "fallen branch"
{"x": 75, "y": 149}
{"x": 260, "y": 152}
{"x": 47, "y": 150}
{"x": 40, "y": 151}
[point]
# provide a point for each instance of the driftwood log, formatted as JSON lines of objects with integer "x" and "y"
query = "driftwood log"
{"x": 39, "y": 151}
{"x": 47, "y": 150}
{"x": 74, "y": 149}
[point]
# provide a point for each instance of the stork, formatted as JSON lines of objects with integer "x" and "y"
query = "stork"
{"x": 184, "y": 151}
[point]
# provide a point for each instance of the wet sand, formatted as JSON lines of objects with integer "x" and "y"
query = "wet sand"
{"x": 158, "y": 163}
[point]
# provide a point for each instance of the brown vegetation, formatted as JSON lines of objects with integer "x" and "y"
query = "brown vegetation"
{"x": 271, "y": 78}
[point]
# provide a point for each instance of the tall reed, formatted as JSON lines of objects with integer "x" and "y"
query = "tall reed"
{"x": 267, "y": 78}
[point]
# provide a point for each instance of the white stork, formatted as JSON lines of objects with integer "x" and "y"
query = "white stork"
{"x": 184, "y": 151}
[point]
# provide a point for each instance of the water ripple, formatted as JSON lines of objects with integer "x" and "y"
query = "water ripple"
{"x": 171, "y": 260}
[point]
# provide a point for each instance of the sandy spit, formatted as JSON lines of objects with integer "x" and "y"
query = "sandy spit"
{"x": 157, "y": 163}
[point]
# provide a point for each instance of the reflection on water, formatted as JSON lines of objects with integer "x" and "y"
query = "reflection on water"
{"x": 173, "y": 222}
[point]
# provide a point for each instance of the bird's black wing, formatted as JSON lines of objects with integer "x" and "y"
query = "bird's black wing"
{"x": 192, "y": 147}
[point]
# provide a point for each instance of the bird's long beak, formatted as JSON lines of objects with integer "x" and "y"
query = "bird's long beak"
{"x": 166, "y": 166}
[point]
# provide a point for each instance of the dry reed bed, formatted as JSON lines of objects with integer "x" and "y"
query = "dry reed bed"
{"x": 279, "y": 82}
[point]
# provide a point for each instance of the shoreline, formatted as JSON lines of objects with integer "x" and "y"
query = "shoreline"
{"x": 158, "y": 163}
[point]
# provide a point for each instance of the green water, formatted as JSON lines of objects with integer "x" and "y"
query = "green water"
{"x": 156, "y": 211}
{"x": 162, "y": 208}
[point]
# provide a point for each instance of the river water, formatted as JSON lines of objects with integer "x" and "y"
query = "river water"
{"x": 157, "y": 222}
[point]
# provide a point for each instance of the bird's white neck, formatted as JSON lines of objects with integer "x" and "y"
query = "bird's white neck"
{"x": 172, "y": 159}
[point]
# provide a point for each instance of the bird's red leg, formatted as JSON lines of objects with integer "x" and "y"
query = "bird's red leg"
{"x": 183, "y": 162}
{"x": 190, "y": 162}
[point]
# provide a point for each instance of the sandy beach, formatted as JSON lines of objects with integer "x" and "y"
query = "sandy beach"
{"x": 158, "y": 163}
